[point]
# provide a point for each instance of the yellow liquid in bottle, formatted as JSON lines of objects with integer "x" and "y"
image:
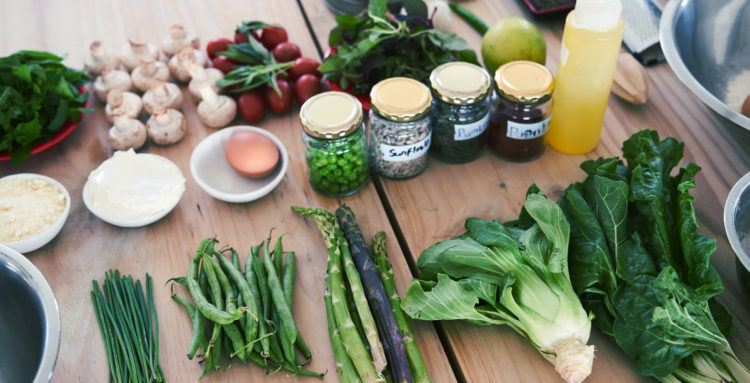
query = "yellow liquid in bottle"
{"x": 584, "y": 79}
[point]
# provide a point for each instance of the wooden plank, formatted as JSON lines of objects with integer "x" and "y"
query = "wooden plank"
{"x": 433, "y": 206}
{"x": 87, "y": 247}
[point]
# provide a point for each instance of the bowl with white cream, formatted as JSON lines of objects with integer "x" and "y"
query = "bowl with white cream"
{"x": 33, "y": 210}
{"x": 133, "y": 190}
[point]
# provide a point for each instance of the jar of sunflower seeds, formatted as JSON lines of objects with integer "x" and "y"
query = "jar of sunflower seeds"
{"x": 400, "y": 129}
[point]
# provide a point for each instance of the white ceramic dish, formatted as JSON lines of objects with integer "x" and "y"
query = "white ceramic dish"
{"x": 34, "y": 242}
{"x": 212, "y": 172}
{"x": 133, "y": 222}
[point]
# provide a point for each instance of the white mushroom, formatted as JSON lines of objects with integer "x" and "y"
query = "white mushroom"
{"x": 216, "y": 111}
{"x": 127, "y": 133}
{"x": 111, "y": 79}
{"x": 98, "y": 59}
{"x": 132, "y": 53}
{"x": 148, "y": 73}
{"x": 164, "y": 95}
{"x": 201, "y": 77}
{"x": 179, "y": 62}
{"x": 178, "y": 38}
{"x": 121, "y": 103}
{"x": 166, "y": 126}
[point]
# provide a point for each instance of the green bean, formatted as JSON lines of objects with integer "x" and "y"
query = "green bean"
{"x": 198, "y": 325}
{"x": 208, "y": 310}
{"x": 236, "y": 260}
{"x": 278, "y": 255}
{"x": 235, "y": 336}
{"x": 287, "y": 282}
{"x": 472, "y": 19}
{"x": 230, "y": 302}
{"x": 252, "y": 282}
{"x": 251, "y": 330}
{"x": 288, "y": 329}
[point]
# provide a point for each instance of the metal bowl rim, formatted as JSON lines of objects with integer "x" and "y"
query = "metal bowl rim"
{"x": 668, "y": 46}
{"x": 51, "y": 346}
{"x": 730, "y": 211}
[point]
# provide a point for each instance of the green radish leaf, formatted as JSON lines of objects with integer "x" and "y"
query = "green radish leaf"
{"x": 416, "y": 8}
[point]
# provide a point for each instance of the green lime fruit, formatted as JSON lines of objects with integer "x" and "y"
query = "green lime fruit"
{"x": 512, "y": 39}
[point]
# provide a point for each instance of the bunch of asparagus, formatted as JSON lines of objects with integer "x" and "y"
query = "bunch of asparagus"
{"x": 244, "y": 315}
{"x": 363, "y": 306}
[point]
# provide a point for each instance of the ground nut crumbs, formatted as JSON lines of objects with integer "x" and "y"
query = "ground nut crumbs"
{"x": 28, "y": 207}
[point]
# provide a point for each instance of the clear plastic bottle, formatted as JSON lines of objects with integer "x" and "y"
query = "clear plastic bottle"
{"x": 588, "y": 57}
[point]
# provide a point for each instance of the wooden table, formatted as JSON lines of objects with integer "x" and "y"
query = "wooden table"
{"x": 413, "y": 213}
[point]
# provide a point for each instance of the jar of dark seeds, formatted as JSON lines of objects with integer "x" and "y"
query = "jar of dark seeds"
{"x": 399, "y": 127}
{"x": 460, "y": 111}
{"x": 335, "y": 143}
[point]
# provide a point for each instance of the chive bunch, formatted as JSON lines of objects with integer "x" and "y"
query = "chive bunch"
{"x": 129, "y": 326}
{"x": 244, "y": 315}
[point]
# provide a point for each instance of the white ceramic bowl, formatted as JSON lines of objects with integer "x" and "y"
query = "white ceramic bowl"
{"x": 134, "y": 222}
{"x": 211, "y": 171}
{"x": 34, "y": 242}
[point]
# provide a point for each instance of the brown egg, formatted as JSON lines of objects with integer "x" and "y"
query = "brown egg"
{"x": 746, "y": 107}
{"x": 251, "y": 154}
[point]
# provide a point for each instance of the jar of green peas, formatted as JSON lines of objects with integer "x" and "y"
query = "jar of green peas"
{"x": 335, "y": 143}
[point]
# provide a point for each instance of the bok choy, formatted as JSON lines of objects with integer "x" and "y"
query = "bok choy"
{"x": 639, "y": 264}
{"x": 514, "y": 274}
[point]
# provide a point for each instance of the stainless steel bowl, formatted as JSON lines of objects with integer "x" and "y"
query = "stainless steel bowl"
{"x": 737, "y": 226}
{"x": 707, "y": 44}
{"x": 29, "y": 321}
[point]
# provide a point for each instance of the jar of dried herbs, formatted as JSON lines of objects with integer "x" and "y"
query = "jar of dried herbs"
{"x": 460, "y": 111}
{"x": 400, "y": 131}
{"x": 335, "y": 143}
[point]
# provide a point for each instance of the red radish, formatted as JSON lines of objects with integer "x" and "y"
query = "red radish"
{"x": 252, "y": 106}
{"x": 282, "y": 104}
{"x": 286, "y": 52}
{"x": 240, "y": 38}
{"x": 271, "y": 37}
{"x": 306, "y": 86}
{"x": 304, "y": 65}
{"x": 225, "y": 64}
{"x": 217, "y": 45}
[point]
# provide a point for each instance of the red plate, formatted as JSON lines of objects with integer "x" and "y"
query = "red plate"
{"x": 56, "y": 137}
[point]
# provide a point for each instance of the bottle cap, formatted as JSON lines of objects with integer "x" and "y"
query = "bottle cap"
{"x": 331, "y": 115}
{"x": 597, "y": 15}
{"x": 524, "y": 82}
{"x": 401, "y": 99}
{"x": 460, "y": 83}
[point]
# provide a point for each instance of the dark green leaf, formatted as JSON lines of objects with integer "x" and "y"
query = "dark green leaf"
{"x": 416, "y": 8}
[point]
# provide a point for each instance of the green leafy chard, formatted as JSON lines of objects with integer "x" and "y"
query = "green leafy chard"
{"x": 514, "y": 274}
{"x": 378, "y": 45}
{"x": 639, "y": 264}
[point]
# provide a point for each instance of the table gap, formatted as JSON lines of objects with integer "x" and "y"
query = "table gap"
{"x": 312, "y": 33}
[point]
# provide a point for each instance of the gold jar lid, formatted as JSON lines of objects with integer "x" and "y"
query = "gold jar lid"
{"x": 331, "y": 115}
{"x": 524, "y": 82}
{"x": 401, "y": 99}
{"x": 460, "y": 83}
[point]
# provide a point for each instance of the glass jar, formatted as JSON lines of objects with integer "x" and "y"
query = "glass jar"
{"x": 400, "y": 131}
{"x": 335, "y": 143}
{"x": 520, "y": 116}
{"x": 460, "y": 112}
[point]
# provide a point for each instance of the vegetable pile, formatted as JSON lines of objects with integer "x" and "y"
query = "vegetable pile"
{"x": 640, "y": 265}
{"x": 264, "y": 69}
{"x": 244, "y": 315}
{"x": 378, "y": 45}
{"x": 130, "y": 328}
{"x": 514, "y": 274}
{"x": 38, "y": 94}
{"x": 363, "y": 306}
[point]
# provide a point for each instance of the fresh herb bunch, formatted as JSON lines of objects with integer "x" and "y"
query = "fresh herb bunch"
{"x": 260, "y": 67}
{"x": 379, "y": 45}
{"x": 37, "y": 95}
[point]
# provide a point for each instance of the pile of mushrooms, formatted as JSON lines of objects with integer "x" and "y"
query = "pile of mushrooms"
{"x": 141, "y": 67}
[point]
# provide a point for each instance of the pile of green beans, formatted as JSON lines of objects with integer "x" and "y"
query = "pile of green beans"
{"x": 130, "y": 328}
{"x": 244, "y": 315}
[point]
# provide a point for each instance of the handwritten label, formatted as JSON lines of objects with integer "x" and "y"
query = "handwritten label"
{"x": 527, "y": 131}
{"x": 463, "y": 132}
{"x": 405, "y": 153}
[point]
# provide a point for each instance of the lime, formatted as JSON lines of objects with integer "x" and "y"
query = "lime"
{"x": 512, "y": 39}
